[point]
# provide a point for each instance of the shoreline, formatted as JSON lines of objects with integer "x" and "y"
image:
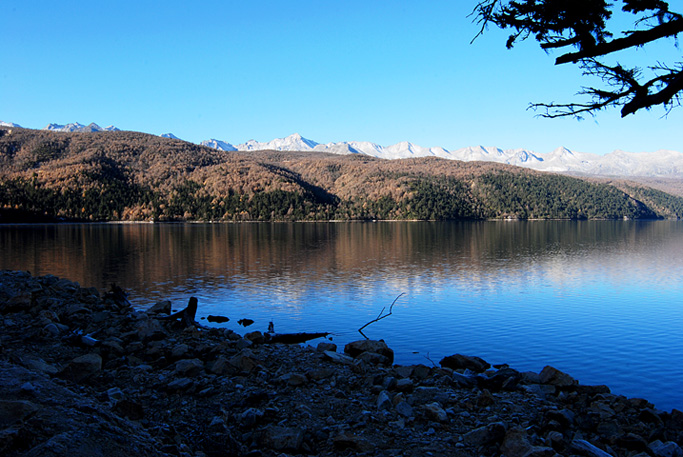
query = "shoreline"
{"x": 82, "y": 373}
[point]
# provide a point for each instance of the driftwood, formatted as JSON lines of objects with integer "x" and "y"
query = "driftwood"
{"x": 119, "y": 296}
{"x": 186, "y": 315}
{"x": 293, "y": 338}
{"x": 380, "y": 316}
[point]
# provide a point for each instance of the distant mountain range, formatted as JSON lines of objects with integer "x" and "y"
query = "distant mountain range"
{"x": 659, "y": 164}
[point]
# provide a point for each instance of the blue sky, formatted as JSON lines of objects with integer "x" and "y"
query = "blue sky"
{"x": 380, "y": 71}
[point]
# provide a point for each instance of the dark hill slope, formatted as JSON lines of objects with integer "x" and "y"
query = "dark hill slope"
{"x": 136, "y": 176}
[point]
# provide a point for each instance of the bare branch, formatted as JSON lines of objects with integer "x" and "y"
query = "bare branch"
{"x": 381, "y": 315}
{"x": 634, "y": 39}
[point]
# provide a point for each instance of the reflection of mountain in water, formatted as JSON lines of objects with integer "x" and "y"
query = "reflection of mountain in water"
{"x": 290, "y": 257}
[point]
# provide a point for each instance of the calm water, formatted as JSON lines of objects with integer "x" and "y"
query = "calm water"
{"x": 599, "y": 300}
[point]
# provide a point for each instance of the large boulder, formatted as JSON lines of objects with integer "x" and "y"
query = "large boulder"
{"x": 465, "y": 362}
{"x": 357, "y": 348}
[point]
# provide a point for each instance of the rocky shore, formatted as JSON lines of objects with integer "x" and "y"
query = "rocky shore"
{"x": 82, "y": 373}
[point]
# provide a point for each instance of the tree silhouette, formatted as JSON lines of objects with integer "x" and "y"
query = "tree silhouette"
{"x": 585, "y": 31}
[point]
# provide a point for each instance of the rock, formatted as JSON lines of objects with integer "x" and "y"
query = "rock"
{"x": 403, "y": 371}
{"x": 668, "y": 449}
{"x": 384, "y": 401}
{"x": 244, "y": 343}
{"x": 404, "y": 409}
{"x": 294, "y": 379}
{"x": 516, "y": 442}
{"x": 405, "y": 385}
{"x": 180, "y": 350}
{"x": 255, "y": 337}
{"x": 464, "y": 362}
{"x": 162, "y": 307}
{"x": 83, "y": 367}
{"x": 421, "y": 371}
{"x": 250, "y": 417}
{"x": 13, "y": 411}
{"x": 488, "y": 434}
{"x": 373, "y": 358}
{"x": 356, "y": 348}
{"x": 179, "y": 384}
{"x": 350, "y": 442}
{"x": 326, "y": 346}
{"x": 188, "y": 367}
{"x": 463, "y": 380}
{"x": 320, "y": 373}
{"x": 555, "y": 377}
{"x": 583, "y": 447}
{"x": 541, "y": 451}
{"x": 37, "y": 364}
{"x": 115, "y": 394}
{"x": 338, "y": 358}
{"x": 434, "y": 411}
{"x": 221, "y": 366}
{"x": 243, "y": 361}
{"x": 283, "y": 438}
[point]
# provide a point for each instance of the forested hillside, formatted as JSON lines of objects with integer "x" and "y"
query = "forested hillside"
{"x": 129, "y": 176}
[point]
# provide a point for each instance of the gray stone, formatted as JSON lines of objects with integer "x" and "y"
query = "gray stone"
{"x": 115, "y": 394}
{"x": 283, "y": 438}
{"x": 188, "y": 367}
{"x": 255, "y": 337}
{"x": 516, "y": 442}
{"x": 435, "y": 412}
{"x": 244, "y": 343}
{"x": 221, "y": 366}
{"x": 587, "y": 449}
{"x": 540, "y": 451}
{"x": 243, "y": 361}
{"x": 83, "y": 367}
{"x": 179, "y": 384}
{"x": 13, "y": 411}
{"x": 555, "y": 377}
{"x": 668, "y": 449}
{"x": 356, "y": 348}
{"x": 326, "y": 346}
{"x": 405, "y": 385}
{"x": 180, "y": 350}
{"x": 492, "y": 433}
{"x": 403, "y": 371}
{"x": 250, "y": 417}
{"x": 295, "y": 379}
{"x": 37, "y": 364}
{"x": 162, "y": 307}
{"x": 383, "y": 400}
{"x": 465, "y": 362}
{"x": 336, "y": 357}
{"x": 404, "y": 409}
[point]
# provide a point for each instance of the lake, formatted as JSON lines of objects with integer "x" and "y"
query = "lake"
{"x": 600, "y": 300}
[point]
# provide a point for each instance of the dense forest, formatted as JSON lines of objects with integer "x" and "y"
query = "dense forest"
{"x": 129, "y": 176}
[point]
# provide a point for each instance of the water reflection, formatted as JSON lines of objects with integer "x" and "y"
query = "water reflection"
{"x": 598, "y": 299}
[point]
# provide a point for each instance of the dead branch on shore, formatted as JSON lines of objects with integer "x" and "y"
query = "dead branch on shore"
{"x": 381, "y": 315}
{"x": 187, "y": 315}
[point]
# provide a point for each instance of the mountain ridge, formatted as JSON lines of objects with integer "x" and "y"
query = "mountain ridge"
{"x": 662, "y": 163}
{"x": 132, "y": 176}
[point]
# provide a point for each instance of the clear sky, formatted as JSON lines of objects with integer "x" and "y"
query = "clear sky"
{"x": 331, "y": 70}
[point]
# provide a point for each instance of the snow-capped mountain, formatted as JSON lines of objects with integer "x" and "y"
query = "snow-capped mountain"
{"x": 217, "y": 144}
{"x": 561, "y": 160}
{"x": 169, "y": 135}
{"x": 76, "y": 127}
{"x": 662, "y": 163}
{"x": 9, "y": 124}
